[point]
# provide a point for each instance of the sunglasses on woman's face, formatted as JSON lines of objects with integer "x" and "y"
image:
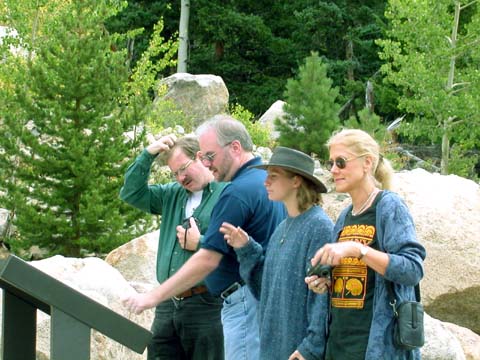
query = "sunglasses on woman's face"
{"x": 341, "y": 162}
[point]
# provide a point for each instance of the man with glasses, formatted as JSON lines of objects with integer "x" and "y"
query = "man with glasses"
{"x": 188, "y": 325}
{"x": 226, "y": 148}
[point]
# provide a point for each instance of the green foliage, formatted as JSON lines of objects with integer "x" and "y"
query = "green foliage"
{"x": 311, "y": 111}
{"x": 260, "y": 135}
{"x": 159, "y": 55}
{"x": 433, "y": 62}
{"x": 464, "y": 161}
{"x": 369, "y": 122}
{"x": 238, "y": 46}
{"x": 256, "y": 46}
{"x": 62, "y": 132}
{"x": 140, "y": 14}
{"x": 343, "y": 32}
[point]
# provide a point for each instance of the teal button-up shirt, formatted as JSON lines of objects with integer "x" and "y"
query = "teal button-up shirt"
{"x": 167, "y": 200}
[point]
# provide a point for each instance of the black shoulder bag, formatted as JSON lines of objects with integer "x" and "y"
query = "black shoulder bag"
{"x": 408, "y": 331}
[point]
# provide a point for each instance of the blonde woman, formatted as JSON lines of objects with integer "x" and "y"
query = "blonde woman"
{"x": 292, "y": 319}
{"x": 374, "y": 240}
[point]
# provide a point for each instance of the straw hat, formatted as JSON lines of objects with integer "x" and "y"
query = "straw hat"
{"x": 296, "y": 162}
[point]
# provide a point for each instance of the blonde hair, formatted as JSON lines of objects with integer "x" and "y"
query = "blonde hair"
{"x": 361, "y": 143}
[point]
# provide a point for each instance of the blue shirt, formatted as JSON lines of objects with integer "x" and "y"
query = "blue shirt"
{"x": 244, "y": 202}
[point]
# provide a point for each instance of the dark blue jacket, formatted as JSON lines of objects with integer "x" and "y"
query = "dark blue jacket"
{"x": 244, "y": 202}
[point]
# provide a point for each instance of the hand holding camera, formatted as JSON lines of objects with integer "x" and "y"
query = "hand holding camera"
{"x": 187, "y": 223}
{"x": 188, "y": 233}
{"x": 318, "y": 277}
{"x": 321, "y": 270}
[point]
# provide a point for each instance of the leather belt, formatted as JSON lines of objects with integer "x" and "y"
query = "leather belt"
{"x": 231, "y": 289}
{"x": 190, "y": 292}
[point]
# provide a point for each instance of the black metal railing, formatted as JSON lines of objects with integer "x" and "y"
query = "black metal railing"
{"x": 72, "y": 316}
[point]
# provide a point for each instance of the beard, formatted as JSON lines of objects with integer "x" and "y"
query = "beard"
{"x": 222, "y": 172}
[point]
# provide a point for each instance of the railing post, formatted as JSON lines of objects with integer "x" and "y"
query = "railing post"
{"x": 69, "y": 338}
{"x": 19, "y": 328}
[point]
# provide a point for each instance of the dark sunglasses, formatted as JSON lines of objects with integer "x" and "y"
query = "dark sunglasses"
{"x": 341, "y": 162}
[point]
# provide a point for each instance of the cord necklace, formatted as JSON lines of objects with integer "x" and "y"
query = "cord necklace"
{"x": 286, "y": 230}
{"x": 366, "y": 203}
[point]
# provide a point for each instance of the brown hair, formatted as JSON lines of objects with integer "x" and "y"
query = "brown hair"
{"x": 188, "y": 145}
{"x": 307, "y": 193}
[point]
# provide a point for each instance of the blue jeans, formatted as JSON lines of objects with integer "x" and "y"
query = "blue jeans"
{"x": 240, "y": 326}
{"x": 187, "y": 329}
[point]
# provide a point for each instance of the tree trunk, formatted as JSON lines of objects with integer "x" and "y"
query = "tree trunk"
{"x": 369, "y": 97}
{"x": 445, "y": 149}
{"x": 183, "y": 37}
{"x": 449, "y": 87}
{"x": 349, "y": 57}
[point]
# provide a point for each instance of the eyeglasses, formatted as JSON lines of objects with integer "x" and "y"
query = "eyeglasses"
{"x": 182, "y": 169}
{"x": 210, "y": 156}
{"x": 341, "y": 162}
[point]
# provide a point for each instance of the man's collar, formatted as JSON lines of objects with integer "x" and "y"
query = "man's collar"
{"x": 255, "y": 161}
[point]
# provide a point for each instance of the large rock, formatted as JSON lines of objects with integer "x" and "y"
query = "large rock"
{"x": 446, "y": 210}
{"x": 198, "y": 96}
{"x": 440, "y": 342}
{"x": 136, "y": 261}
{"x": 4, "y": 222}
{"x": 273, "y": 113}
{"x": 469, "y": 341}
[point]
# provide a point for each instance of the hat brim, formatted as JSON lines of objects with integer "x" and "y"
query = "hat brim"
{"x": 318, "y": 184}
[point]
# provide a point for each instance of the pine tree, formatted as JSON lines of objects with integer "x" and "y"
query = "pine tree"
{"x": 311, "y": 111}
{"x": 62, "y": 132}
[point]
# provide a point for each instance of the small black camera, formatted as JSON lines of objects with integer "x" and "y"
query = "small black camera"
{"x": 320, "y": 270}
{"x": 186, "y": 223}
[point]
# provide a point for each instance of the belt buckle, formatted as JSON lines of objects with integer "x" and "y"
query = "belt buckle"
{"x": 230, "y": 290}
{"x": 177, "y": 298}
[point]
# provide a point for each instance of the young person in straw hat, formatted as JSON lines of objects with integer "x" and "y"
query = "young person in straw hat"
{"x": 292, "y": 319}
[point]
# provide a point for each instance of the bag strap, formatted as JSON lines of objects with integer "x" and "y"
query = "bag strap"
{"x": 392, "y": 298}
{"x": 389, "y": 285}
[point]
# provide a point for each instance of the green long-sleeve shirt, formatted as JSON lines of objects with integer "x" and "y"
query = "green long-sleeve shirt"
{"x": 167, "y": 200}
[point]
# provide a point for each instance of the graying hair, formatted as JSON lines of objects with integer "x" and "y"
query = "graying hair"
{"x": 227, "y": 130}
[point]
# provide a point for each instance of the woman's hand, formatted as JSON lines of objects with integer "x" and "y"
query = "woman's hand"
{"x": 234, "y": 236}
{"x": 317, "y": 284}
{"x": 332, "y": 254}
